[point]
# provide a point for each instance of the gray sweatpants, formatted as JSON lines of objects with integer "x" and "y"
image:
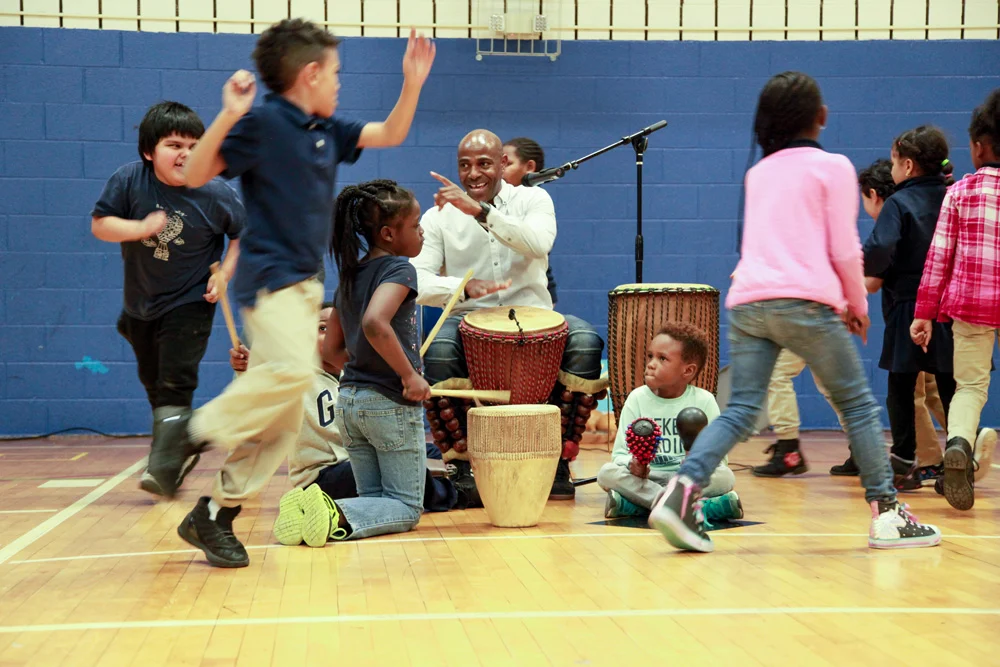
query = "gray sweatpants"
{"x": 642, "y": 492}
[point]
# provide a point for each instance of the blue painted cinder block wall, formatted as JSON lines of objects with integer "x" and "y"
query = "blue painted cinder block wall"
{"x": 70, "y": 101}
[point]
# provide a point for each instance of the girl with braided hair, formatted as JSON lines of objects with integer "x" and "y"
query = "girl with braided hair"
{"x": 895, "y": 252}
{"x": 798, "y": 282}
{"x": 372, "y": 334}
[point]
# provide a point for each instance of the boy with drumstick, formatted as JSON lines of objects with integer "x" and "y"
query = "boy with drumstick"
{"x": 170, "y": 235}
{"x": 286, "y": 150}
{"x": 673, "y": 359}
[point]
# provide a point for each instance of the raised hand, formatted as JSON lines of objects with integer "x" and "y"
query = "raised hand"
{"x": 418, "y": 59}
{"x": 449, "y": 193}
{"x": 238, "y": 92}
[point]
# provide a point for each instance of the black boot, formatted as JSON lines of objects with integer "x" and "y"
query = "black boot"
{"x": 465, "y": 485}
{"x": 562, "y": 487}
{"x": 216, "y": 537}
{"x": 848, "y": 469}
{"x": 786, "y": 458}
{"x": 905, "y": 474}
{"x": 959, "y": 474}
{"x": 171, "y": 448}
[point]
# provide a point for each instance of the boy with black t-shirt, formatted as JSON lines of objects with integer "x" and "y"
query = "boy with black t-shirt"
{"x": 170, "y": 235}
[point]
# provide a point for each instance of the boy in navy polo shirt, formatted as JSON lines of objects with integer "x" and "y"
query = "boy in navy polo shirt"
{"x": 170, "y": 235}
{"x": 286, "y": 152}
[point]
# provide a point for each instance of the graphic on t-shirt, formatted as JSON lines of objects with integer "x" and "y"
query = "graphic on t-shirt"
{"x": 325, "y": 405}
{"x": 671, "y": 450}
{"x": 172, "y": 232}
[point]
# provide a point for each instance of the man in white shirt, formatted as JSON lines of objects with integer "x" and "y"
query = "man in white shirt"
{"x": 504, "y": 234}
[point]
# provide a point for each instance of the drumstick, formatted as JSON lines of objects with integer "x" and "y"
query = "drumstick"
{"x": 227, "y": 313}
{"x": 475, "y": 394}
{"x": 447, "y": 310}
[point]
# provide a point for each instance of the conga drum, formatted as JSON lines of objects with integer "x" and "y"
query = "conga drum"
{"x": 514, "y": 450}
{"x": 637, "y": 311}
{"x": 516, "y": 349}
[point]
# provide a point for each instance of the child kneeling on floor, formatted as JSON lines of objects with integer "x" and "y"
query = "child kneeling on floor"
{"x": 674, "y": 358}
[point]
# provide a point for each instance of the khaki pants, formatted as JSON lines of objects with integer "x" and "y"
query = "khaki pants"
{"x": 783, "y": 408}
{"x": 259, "y": 415}
{"x": 973, "y": 352}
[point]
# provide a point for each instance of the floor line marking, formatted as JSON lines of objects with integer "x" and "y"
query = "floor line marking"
{"x": 53, "y": 522}
{"x": 471, "y": 538}
{"x": 487, "y": 615}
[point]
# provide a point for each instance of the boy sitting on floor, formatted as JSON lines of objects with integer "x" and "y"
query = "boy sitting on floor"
{"x": 673, "y": 359}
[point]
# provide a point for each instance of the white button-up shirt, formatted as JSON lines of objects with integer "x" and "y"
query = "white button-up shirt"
{"x": 514, "y": 243}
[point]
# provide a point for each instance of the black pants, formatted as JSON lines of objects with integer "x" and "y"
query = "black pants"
{"x": 902, "y": 413}
{"x": 337, "y": 481}
{"x": 168, "y": 351}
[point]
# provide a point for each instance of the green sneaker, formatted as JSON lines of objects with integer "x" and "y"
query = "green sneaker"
{"x": 617, "y": 506}
{"x": 727, "y": 507}
{"x": 288, "y": 525}
{"x": 321, "y": 519}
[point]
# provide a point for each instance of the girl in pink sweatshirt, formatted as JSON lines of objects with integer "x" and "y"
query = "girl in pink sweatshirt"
{"x": 798, "y": 283}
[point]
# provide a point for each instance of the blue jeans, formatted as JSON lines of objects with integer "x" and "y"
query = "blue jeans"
{"x": 757, "y": 333}
{"x": 445, "y": 358}
{"x": 386, "y": 443}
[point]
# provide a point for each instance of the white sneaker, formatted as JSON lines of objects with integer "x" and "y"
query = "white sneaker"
{"x": 893, "y": 527}
{"x": 986, "y": 444}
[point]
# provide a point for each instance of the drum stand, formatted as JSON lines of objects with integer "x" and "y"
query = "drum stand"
{"x": 639, "y": 141}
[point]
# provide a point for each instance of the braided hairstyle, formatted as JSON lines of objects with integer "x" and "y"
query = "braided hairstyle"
{"x": 928, "y": 148}
{"x": 528, "y": 149}
{"x": 361, "y": 212}
{"x": 985, "y": 125}
{"x": 877, "y": 177}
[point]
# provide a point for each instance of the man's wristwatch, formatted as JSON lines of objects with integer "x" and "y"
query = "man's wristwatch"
{"x": 481, "y": 218}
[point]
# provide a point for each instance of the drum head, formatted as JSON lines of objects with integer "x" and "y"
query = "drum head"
{"x": 662, "y": 287}
{"x": 498, "y": 320}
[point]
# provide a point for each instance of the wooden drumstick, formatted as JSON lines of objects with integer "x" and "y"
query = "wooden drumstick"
{"x": 474, "y": 394}
{"x": 447, "y": 311}
{"x": 227, "y": 313}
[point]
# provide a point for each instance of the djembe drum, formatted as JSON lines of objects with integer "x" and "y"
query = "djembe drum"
{"x": 514, "y": 349}
{"x": 514, "y": 450}
{"x": 637, "y": 311}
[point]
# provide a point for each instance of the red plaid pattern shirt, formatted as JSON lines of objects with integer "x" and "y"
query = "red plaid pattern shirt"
{"x": 961, "y": 279}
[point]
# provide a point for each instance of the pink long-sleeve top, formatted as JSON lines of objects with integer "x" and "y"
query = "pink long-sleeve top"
{"x": 800, "y": 235}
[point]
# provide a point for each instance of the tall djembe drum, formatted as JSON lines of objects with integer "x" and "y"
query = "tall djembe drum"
{"x": 514, "y": 450}
{"x": 636, "y": 311}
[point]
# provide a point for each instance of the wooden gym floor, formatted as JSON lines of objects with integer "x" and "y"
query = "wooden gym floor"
{"x": 93, "y": 573}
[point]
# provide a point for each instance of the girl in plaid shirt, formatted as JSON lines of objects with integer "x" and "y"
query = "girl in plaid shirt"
{"x": 961, "y": 285}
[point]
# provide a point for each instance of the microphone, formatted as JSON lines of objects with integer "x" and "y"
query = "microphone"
{"x": 533, "y": 178}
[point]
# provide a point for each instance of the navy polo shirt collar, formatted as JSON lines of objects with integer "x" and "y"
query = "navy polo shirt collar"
{"x": 294, "y": 113}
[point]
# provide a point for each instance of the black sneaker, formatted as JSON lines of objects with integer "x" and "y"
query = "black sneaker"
{"x": 893, "y": 527}
{"x": 786, "y": 458}
{"x": 215, "y": 538}
{"x": 562, "y": 487}
{"x": 905, "y": 474}
{"x": 847, "y": 469}
{"x": 959, "y": 475}
{"x": 677, "y": 515}
{"x": 465, "y": 484}
{"x": 149, "y": 484}
{"x": 171, "y": 448}
{"x": 930, "y": 473}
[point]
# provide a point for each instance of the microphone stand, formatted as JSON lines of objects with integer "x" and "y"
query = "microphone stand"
{"x": 639, "y": 142}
